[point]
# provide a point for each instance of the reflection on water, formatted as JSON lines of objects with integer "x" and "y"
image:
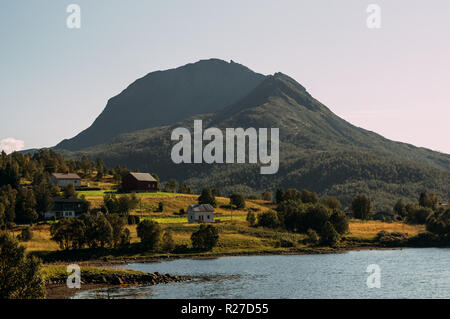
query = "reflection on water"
{"x": 408, "y": 273}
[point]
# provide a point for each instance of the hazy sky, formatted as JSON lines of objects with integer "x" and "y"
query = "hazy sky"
{"x": 54, "y": 81}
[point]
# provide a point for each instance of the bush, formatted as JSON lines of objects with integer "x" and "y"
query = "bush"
{"x": 419, "y": 215}
{"x": 26, "y": 234}
{"x": 237, "y": 200}
{"x": 205, "y": 238}
{"x": 150, "y": 234}
{"x": 393, "y": 239}
{"x": 125, "y": 238}
{"x": 285, "y": 243}
{"x": 329, "y": 236}
{"x": 168, "y": 244}
{"x": 267, "y": 196}
{"x": 268, "y": 219}
{"x": 20, "y": 275}
{"x": 313, "y": 237}
{"x": 340, "y": 222}
{"x": 251, "y": 218}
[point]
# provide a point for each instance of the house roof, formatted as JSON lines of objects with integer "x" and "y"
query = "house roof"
{"x": 202, "y": 208}
{"x": 66, "y": 176}
{"x": 143, "y": 177}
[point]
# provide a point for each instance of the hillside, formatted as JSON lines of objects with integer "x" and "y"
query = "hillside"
{"x": 318, "y": 150}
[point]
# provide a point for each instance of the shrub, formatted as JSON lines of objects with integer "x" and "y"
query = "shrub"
{"x": 20, "y": 275}
{"x": 329, "y": 236}
{"x": 268, "y": 219}
{"x": 150, "y": 233}
{"x": 267, "y": 196}
{"x": 205, "y": 238}
{"x": 26, "y": 234}
{"x": 251, "y": 218}
{"x": 168, "y": 244}
{"x": 340, "y": 222}
{"x": 419, "y": 215}
{"x": 313, "y": 237}
{"x": 237, "y": 200}
{"x": 393, "y": 239}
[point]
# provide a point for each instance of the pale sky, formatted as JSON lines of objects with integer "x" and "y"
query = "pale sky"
{"x": 394, "y": 80}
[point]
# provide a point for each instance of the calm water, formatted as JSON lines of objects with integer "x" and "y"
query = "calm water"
{"x": 408, "y": 273}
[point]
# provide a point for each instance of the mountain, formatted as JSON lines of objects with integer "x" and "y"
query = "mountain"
{"x": 318, "y": 150}
{"x": 202, "y": 87}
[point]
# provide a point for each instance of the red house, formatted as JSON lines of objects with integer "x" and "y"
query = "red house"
{"x": 139, "y": 182}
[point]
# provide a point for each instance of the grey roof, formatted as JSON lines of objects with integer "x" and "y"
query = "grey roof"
{"x": 143, "y": 177}
{"x": 66, "y": 176}
{"x": 202, "y": 208}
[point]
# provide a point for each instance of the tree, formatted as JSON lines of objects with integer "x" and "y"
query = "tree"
{"x": 329, "y": 236}
{"x": 171, "y": 186}
{"x": 207, "y": 197}
{"x": 69, "y": 191}
{"x": 43, "y": 196}
{"x": 26, "y": 234}
{"x": 267, "y": 196}
{"x": 279, "y": 195}
{"x": 292, "y": 194}
{"x": 439, "y": 223}
{"x": 150, "y": 234}
{"x": 251, "y": 218}
{"x": 331, "y": 202}
{"x": 268, "y": 219}
{"x": 309, "y": 197}
{"x": 86, "y": 165}
{"x": 216, "y": 192}
{"x": 25, "y": 207}
{"x": 237, "y": 200}
{"x": 362, "y": 207}
{"x": 20, "y": 275}
{"x": 400, "y": 208}
{"x": 168, "y": 245}
{"x": 205, "y": 238}
{"x": 340, "y": 222}
{"x": 185, "y": 189}
{"x": 429, "y": 200}
{"x": 313, "y": 238}
{"x": 118, "y": 228}
{"x": 316, "y": 217}
{"x": 419, "y": 215}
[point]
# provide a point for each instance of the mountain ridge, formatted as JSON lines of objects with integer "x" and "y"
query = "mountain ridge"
{"x": 318, "y": 150}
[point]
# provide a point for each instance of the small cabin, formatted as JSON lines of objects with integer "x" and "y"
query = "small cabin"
{"x": 202, "y": 213}
{"x": 139, "y": 182}
{"x": 64, "y": 179}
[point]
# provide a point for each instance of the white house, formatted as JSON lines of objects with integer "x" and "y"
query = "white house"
{"x": 203, "y": 213}
{"x": 66, "y": 207}
{"x": 64, "y": 179}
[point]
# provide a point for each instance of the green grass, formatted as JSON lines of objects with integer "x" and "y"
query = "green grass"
{"x": 101, "y": 193}
{"x": 50, "y": 272}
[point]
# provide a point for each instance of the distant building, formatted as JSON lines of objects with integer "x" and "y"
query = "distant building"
{"x": 203, "y": 213}
{"x": 139, "y": 182}
{"x": 66, "y": 207}
{"x": 64, "y": 179}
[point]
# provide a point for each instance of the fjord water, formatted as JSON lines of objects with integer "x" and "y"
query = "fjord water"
{"x": 406, "y": 273}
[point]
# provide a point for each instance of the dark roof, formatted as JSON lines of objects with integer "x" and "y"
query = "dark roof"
{"x": 66, "y": 176}
{"x": 143, "y": 177}
{"x": 202, "y": 208}
{"x": 67, "y": 200}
